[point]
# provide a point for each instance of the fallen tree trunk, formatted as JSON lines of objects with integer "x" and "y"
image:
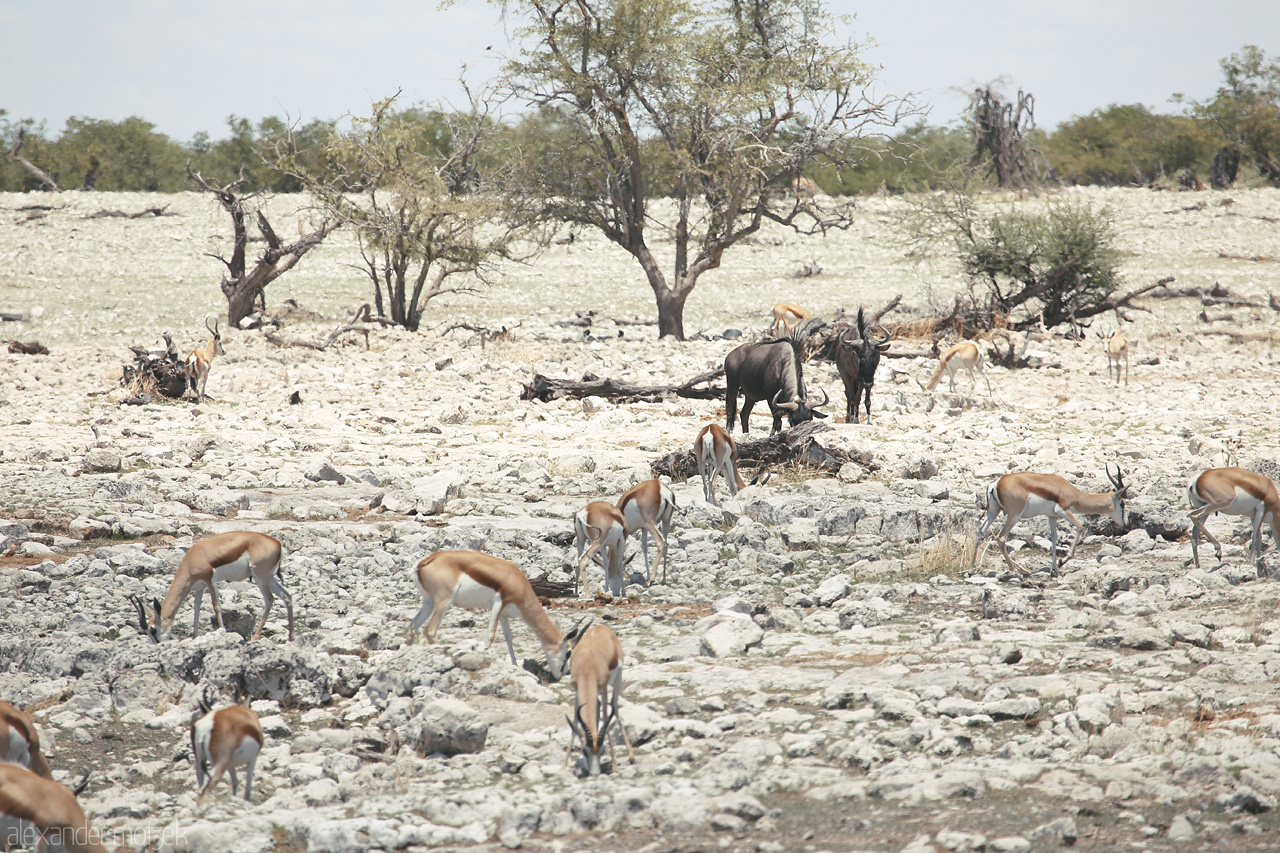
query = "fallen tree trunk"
{"x": 361, "y": 322}
{"x": 793, "y": 446}
{"x": 546, "y": 389}
{"x": 156, "y": 371}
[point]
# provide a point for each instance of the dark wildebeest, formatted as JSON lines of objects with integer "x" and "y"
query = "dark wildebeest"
{"x": 857, "y": 360}
{"x": 771, "y": 371}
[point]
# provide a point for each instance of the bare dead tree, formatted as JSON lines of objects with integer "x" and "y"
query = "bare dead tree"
{"x": 41, "y": 175}
{"x": 242, "y": 286}
{"x": 999, "y": 128}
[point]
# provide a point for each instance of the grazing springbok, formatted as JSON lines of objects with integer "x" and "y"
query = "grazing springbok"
{"x": 39, "y": 814}
{"x": 225, "y": 739}
{"x": 596, "y": 669}
{"x": 200, "y": 359}
{"x": 786, "y": 317}
{"x": 1118, "y": 348}
{"x": 237, "y": 555}
{"x": 484, "y": 582}
{"x": 966, "y": 355}
{"x": 716, "y": 454}
{"x": 20, "y": 742}
{"x": 644, "y": 506}
{"x": 1233, "y": 491}
{"x": 772, "y": 371}
{"x": 1025, "y": 495}
{"x": 605, "y": 527}
{"x": 857, "y": 360}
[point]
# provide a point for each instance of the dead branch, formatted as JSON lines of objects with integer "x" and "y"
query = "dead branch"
{"x": 155, "y": 371}
{"x": 150, "y": 211}
{"x": 28, "y": 348}
{"x": 41, "y": 175}
{"x": 546, "y": 389}
{"x": 1240, "y": 337}
{"x": 361, "y": 322}
{"x": 793, "y": 446}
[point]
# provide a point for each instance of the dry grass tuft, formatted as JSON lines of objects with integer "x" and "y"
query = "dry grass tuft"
{"x": 948, "y": 552}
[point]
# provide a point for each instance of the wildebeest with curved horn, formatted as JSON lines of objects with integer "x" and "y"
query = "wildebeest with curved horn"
{"x": 857, "y": 360}
{"x": 771, "y": 371}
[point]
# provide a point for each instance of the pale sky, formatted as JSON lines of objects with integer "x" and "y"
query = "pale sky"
{"x": 186, "y": 66}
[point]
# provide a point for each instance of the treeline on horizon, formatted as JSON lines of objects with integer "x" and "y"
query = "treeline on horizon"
{"x": 1234, "y": 136}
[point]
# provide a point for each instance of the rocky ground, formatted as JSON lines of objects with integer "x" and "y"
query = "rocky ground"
{"x": 820, "y": 672}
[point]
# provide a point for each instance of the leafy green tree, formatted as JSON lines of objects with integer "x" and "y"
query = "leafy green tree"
{"x": 244, "y": 154}
{"x": 109, "y": 155}
{"x": 24, "y": 161}
{"x": 411, "y": 183}
{"x": 1245, "y": 115}
{"x": 1126, "y": 145}
{"x": 919, "y": 158}
{"x": 720, "y": 104}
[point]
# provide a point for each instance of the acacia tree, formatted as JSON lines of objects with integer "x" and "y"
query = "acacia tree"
{"x": 741, "y": 98}
{"x": 411, "y": 183}
{"x": 1245, "y": 113}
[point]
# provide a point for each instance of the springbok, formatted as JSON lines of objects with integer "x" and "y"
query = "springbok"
{"x": 643, "y": 506}
{"x": 227, "y": 738}
{"x": 20, "y": 742}
{"x": 856, "y": 361}
{"x": 200, "y": 359}
{"x": 716, "y": 455}
{"x": 605, "y": 527}
{"x": 966, "y": 355}
{"x": 1025, "y": 495}
{"x": 39, "y": 814}
{"x": 1233, "y": 491}
{"x": 596, "y": 669}
{"x": 786, "y": 317}
{"x": 237, "y": 555}
{"x": 1118, "y": 348}
{"x": 484, "y": 582}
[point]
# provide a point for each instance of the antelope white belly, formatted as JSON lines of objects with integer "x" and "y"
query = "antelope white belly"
{"x": 1037, "y": 505}
{"x": 473, "y": 594}
{"x": 1243, "y": 504}
{"x": 18, "y": 751}
{"x": 237, "y": 570}
{"x": 247, "y": 751}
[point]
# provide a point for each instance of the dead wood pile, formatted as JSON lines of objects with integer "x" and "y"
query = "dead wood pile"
{"x": 797, "y": 445}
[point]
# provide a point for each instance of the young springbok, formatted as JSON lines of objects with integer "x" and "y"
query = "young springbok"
{"x": 643, "y": 506}
{"x": 225, "y": 739}
{"x": 1118, "y": 348}
{"x": 237, "y": 555}
{"x": 1233, "y": 491}
{"x": 200, "y": 359}
{"x": 484, "y": 582}
{"x": 20, "y": 742}
{"x": 966, "y": 355}
{"x": 787, "y": 316}
{"x": 39, "y": 814}
{"x": 596, "y": 669}
{"x": 605, "y": 527}
{"x": 1025, "y": 495}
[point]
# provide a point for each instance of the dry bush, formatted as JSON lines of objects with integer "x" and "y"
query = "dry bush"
{"x": 949, "y": 551}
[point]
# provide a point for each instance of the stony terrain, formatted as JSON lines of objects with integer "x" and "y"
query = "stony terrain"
{"x": 820, "y": 672}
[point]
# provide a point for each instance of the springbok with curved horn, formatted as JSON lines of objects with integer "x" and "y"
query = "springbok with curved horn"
{"x": 237, "y": 555}
{"x": 201, "y": 358}
{"x": 39, "y": 814}
{"x": 643, "y": 506}
{"x": 786, "y": 317}
{"x": 225, "y": 739}
{"x": 484, "y": 582}
{"x": 716, "y": 454}
{"x": 857, "y": 360}
{"x": 964, "y": 355}
{"x": 605, "y": 527}
{"x": 1233, "y": 491}
{"x": 596, "y": 669}
{"x": 1025, "y": 495}
{"x": 20, "y": 742}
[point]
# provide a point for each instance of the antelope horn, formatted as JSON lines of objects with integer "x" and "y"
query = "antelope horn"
{"x": 213, "y": 331}
{"x": 142, "y": 614}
